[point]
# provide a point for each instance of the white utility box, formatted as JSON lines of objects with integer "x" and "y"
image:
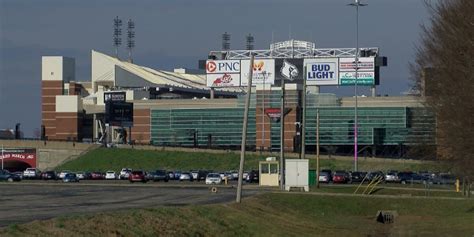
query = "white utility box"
{"x": 296, "y": 174}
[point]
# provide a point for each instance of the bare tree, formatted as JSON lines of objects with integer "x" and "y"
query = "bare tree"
{"x": 444, "y": 74}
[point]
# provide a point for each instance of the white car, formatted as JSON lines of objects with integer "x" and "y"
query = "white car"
{"x": 186, "y": 176}
{"x": 213, "y": 178}
{"x": 31, "y": 173}
{"x": 63, "y": 173}
{"x": 110, "y": 175}
{"x": 125, "y": 173}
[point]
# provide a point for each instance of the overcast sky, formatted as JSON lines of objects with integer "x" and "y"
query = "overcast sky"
{"x": 178, "y": 33}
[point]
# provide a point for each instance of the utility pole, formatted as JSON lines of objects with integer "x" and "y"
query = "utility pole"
{"x": 303, "y": 126}
{"x": 244, "y": 131}
{"x": 317, "y": 147}
{"x": 2, "y": 157}
{"x": 282, "y": 134}
{"x": 356, "y": 4}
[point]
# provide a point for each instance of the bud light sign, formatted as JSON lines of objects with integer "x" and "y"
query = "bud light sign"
{"x": 322, "y": 71}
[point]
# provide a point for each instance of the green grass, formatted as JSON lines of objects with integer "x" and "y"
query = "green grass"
{"x": 389, "y": 190}
{"x": 103, "y": 159}
{"x": 272, "y": 214}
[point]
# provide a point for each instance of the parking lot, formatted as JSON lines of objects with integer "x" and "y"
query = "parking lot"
{"x": 32, "y": 200}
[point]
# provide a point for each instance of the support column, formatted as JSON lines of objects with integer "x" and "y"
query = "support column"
{"x": 372, "y": 89}
{"x": 212, "y": 93}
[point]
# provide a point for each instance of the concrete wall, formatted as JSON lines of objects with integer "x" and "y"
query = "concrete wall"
{"x": 51, "y": 154}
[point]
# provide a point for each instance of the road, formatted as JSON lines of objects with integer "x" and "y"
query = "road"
{"x": 24, "y": 202}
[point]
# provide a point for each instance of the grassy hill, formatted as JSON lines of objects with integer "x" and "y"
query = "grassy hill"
{"x": 272, "y": 214}
{"x": 104, "y": 159}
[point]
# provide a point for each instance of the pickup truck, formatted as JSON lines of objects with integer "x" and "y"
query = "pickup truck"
{"x": 31, "y": 173}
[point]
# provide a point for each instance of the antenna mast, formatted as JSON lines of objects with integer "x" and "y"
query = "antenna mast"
{"x": 117, "y": 34}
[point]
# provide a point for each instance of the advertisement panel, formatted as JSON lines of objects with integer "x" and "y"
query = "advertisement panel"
{"x": 291, "y": 70}
{"x": 115, "y": 96}
{"x": 322, "y": 71}
{"x": 263, "y": 72}
{"x": 365, "y": 75}
{"x": 222, "y": 66}
{"x": 363, "y": 78}
{"x": 27, "y": 155}
{"x": 366, "y": 64}
{"x": 223, "y": 73}
{"x": 223, "y": 80}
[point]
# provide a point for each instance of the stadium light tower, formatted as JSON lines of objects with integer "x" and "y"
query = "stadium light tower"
{"x": 130, "y": 38}
{"x": 117, "y": 34}
{"x": 356, "y": 4}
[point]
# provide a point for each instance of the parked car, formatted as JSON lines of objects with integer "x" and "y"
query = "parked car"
{"x": 177, "y": 174}
{"x": 253, "y": 177}
{"x": 234, "y": 175}
{"x": 329, "y": 173}
{"x": 97, "y": 175}
{"x": 412, "y": 178}
{"x": 31, "y": 173}
{"x": 125, "y": 173}
{"x": 195, "y": 174}
{"x": 444, "y": 179}
{"x": 18, "y": 173}
{"x": 379, "y": 175}
{"x": 5, "y": 175}
{"x": 186, "y": 176}
{"x": 357, "y": 177}
{"x": 213, "y": 178}
{"x": 340, "y": 177}
{"x": 392, "y": 177}
{"x": 49, "y": 175}
{"x": 110, "y": 175}
{"x": 324, "y": 177}
{"x": 137, "y": 176}
{"x": 70, "y": 178}
{"x": 159, "y": 175}
{"x": 83, "y": 175}
{"x": 63, "y": 173}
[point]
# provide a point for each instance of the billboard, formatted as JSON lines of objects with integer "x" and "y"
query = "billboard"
{"x": 27, "y": 155}
{"x": 119, "y": 114}
{"x": 322, "y": 71}
{"x": 365, "y": 75}
{"x": 263, "y": 72}
{"x": 223, "y": 73}
{"x": 223, "y": 80}
{"x": 115, "y": 96}
{"x": 290, "y": 70}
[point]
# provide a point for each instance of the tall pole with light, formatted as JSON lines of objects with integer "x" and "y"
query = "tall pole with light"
{"x": 356, "y": 4}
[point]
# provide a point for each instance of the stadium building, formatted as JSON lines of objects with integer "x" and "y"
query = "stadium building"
{"x": 128, "y": 103}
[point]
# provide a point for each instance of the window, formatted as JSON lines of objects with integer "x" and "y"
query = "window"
{"x": 273, "y": 168}
{"x": 264, "y": 168}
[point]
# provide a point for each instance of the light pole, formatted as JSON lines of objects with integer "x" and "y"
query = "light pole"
{"x": 356, "y": 4}
{"x": 2, "y": 157}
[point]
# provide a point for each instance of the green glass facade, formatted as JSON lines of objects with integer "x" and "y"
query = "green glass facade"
{"x": 200, "y": 127}
{"x": 221, "y": 127}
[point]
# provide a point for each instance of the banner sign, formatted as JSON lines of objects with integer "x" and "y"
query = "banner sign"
{"x": 322, "y": 71}
{"x": 222, "y": 66}
{"x": 363, "y": 78}
{"x": 263, "y": 72}
{"x": 290, "y": 70}
{"x": 223, "y": 80}
{"x": 275, "y": 113}
{"x": 115, "y": 96}
{"x": 223, "y": 73}
{"x": 365, "y": 75}
{"x": 19, "y": 154}
{"x": 349, "y": 64}
{"x": 119, "y": 114}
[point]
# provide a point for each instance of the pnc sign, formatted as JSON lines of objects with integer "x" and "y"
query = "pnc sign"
{"x": 223, "y": 66}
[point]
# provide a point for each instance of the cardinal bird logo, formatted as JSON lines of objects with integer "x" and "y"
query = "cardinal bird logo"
{"x": 258, "y": 66}
{"x": 289, "y": 71}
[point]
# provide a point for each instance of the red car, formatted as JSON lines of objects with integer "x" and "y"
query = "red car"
{"x": 97, "y": 175}
{"x": 340, "y": 177}
{"x": 137, "y": 176}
